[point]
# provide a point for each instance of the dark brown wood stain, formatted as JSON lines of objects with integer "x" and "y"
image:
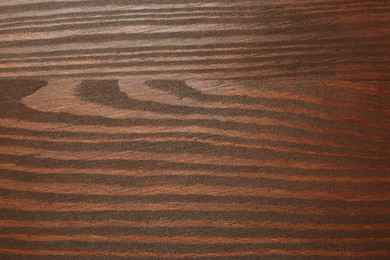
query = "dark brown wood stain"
{"x": 194, "y": 129}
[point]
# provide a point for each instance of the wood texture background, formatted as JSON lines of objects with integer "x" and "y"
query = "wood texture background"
{"x": 210, "y": 129}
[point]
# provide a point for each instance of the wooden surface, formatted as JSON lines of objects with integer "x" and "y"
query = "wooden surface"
{"x": 210, "y": 129}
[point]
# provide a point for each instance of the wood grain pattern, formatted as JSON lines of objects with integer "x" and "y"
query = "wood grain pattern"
{"x": 194, "y": 129}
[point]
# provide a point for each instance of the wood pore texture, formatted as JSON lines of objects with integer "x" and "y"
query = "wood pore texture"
{"x": 168, "y": 129}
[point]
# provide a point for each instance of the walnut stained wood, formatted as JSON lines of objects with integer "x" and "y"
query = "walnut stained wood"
{"x": 146, "y": 129}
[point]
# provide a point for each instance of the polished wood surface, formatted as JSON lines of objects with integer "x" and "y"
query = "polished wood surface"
{"x": 194, "y": 129}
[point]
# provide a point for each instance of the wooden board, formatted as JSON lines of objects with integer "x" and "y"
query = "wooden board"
{"x": 208, "y": 129}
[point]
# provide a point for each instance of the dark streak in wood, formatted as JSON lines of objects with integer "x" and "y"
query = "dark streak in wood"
{"x": 208, "y": 129}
